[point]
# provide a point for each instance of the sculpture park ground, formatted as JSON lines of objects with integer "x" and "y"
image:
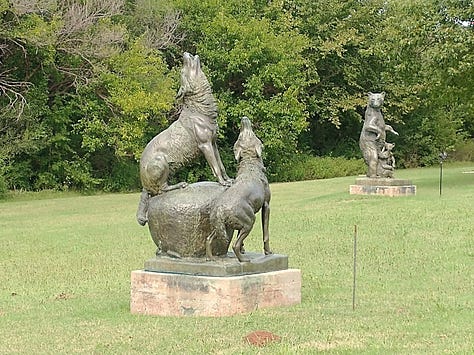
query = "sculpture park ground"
{"x": 66, "y": 259}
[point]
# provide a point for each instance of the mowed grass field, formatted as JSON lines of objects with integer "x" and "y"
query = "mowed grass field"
{"x": 65, "y": 263}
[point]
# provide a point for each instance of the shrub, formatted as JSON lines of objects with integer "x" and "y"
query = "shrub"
{"x": 463, "y": 151}
{"x": 306, "y": 167}
{"x": 3, "y": 186}
{"x": 75, "y": 174}
{"x": 47, "y": 181}
{"x": 18, "y": 175}
{"x": 125, "y": 176}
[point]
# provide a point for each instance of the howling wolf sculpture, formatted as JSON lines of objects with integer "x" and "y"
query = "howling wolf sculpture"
{"x": 194, "y": 132}
{"x": 236, "y": 207}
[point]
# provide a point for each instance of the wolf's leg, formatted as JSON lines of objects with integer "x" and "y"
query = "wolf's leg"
{"x": 209, "y": 240}
{"x": 247, "y": 220}
{"x": 243, "y": 233}
{"x": 154, "y": 178}
{"x": 208, "y": 151}
{"x": 205, "y": 137}
{"x": 219, "y": 163}
{"x": 143, "y": 208}
{"x": 265, "y": 221}
{"x": 157, "y": 173}
{"x": 180, "y": 185}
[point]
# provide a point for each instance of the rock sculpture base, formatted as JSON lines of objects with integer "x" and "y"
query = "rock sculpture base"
{"x": 167, "y": 294}
{"x": 382, "y": 187}
{"x": 179, "y": 220}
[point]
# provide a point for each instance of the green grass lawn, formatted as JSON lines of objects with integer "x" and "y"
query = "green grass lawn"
{"x": 65, "y": 268}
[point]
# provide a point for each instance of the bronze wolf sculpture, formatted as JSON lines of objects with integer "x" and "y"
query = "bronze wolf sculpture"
{"x": 195, "y": 131}
{"x": 236, "y": 207}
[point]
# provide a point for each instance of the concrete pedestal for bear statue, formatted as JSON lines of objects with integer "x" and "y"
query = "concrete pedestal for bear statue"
{"x": 382, "y": 187}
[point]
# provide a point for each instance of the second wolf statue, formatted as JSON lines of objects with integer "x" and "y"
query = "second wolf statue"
{"x": 236, "y": 207}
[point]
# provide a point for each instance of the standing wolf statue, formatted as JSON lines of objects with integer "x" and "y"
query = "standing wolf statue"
{"x": 194, "y": 132}
{"x": 236, "y": 207}
{"x": 376, "y": 151}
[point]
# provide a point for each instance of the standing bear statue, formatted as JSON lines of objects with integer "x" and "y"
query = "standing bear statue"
{"x": 372, "y": 139}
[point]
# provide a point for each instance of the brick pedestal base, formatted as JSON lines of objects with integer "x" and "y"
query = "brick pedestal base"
{"x": 163, "y": 294}
{"x": 383, "y": 187}
{"x": 382, "y": 190}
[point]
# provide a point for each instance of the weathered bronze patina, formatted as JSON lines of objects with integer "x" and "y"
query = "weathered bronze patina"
{"x": 179, "y": 221}
{"x": 376, "y": 151}
{"x": 199, "y": 220}
{"x": 194, "y": 132}
{"x": 236, "y": 207}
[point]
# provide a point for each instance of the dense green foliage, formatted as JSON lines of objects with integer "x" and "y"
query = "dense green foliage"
{"x": 307, "y": 167}
{"x": 85, "y": 84}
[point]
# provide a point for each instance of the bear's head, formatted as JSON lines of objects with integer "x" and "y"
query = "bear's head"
{"x": 376, "y": 99}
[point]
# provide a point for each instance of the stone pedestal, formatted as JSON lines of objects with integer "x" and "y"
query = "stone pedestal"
{"x": 163, "y": 294}
{"x": 382, "y": 187}
{"x": 227, "y": 265}
{"x": 196, "y": 287}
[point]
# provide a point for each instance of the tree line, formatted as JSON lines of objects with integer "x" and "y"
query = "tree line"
{"x": 85, "y": 84}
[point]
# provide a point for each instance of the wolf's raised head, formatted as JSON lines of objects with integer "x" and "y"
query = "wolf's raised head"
{"x": 376, "y": 100}
{"x": 195, "y": 90}
{"x": 247, "y": 145}
{"x": 193, "y": 79}
{"x": 192, "y": 76}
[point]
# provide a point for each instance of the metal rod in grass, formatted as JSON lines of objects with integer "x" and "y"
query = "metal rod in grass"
{"x": 442, "y": 157}
{"x": 354, "y": 268}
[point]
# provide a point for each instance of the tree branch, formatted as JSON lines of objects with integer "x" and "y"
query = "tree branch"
{"x": 165, "y": 34}
{"x": 12, "y": 90}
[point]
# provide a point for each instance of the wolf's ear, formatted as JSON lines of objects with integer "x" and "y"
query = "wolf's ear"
{"x": 258, "y": 150}
{"x": 383, "y": 94}
{"x": 180, "y": 93}
{"x": 237, "y": 153}
{"x": 197, "y": 63}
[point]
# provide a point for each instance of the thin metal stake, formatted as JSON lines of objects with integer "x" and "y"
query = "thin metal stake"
{"x": 440, "y": 176}
{"x": 442, "y": 157}
{"x": 354, "y": 269}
